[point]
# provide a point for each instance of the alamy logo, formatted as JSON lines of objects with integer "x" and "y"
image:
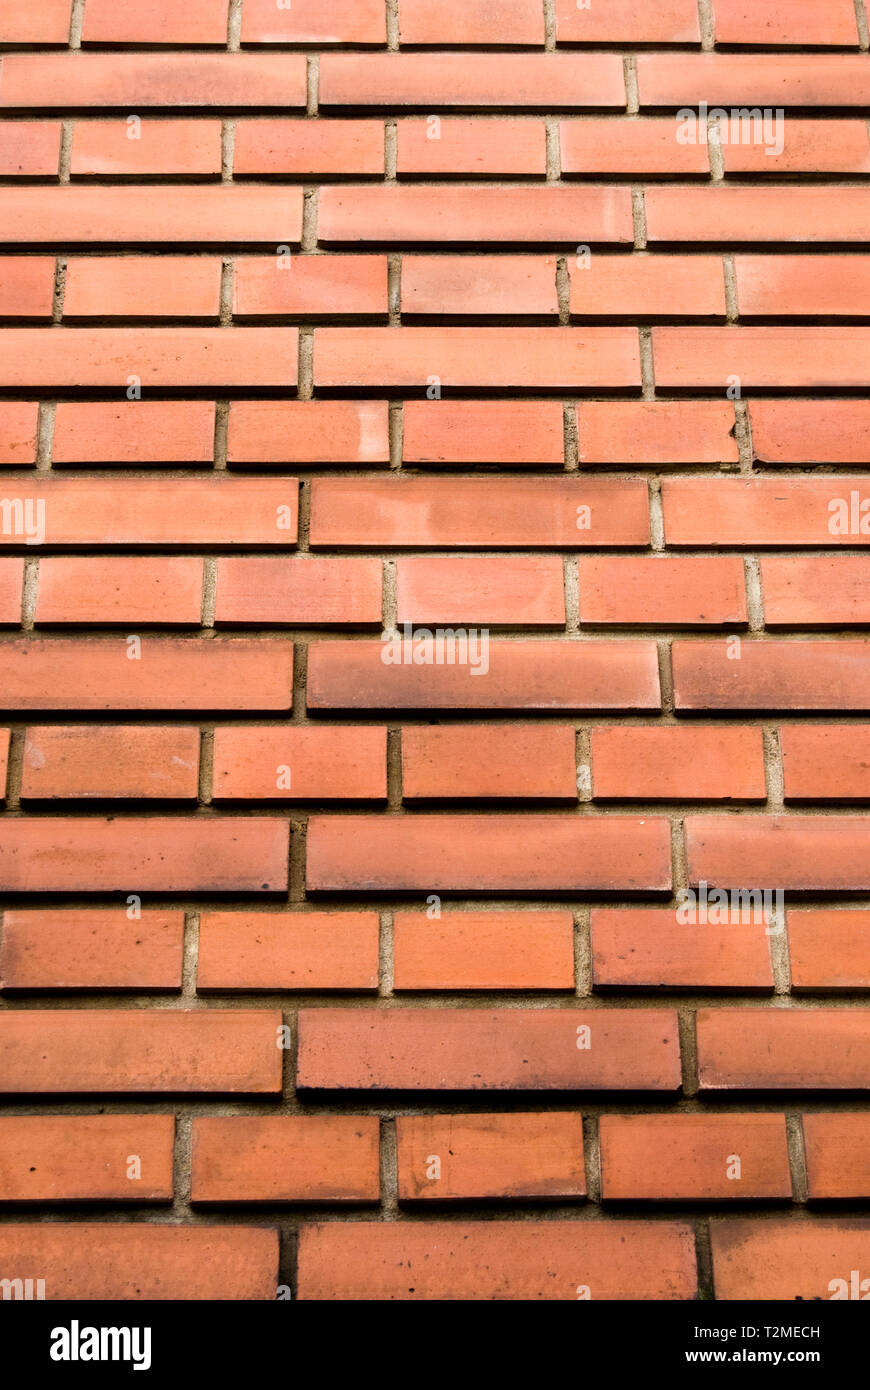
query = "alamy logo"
{"x": 735, "y": 907}
{"x": 742, "y": 125}
{"x": 23, "y": 517}
{"x": 853, "y": 1288}
{"x": 24, "y": 1290}
{"x": 75, "y": 1343}
{"x": 446, "y": 646}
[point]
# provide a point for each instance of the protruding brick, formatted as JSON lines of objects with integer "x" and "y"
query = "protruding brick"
{"x": 628, "y": 22}
{"x": 300, "y": 764}
{"x": 458, "y": 23}
{"x": 288, "y": 951}
{"x": 828, "y": 950}
{"x": 133, "y": 432}
{"x": 18, "y": 428}
{"x": 475, "y": 146}
{"x": 678, "y": 764}
{"x": 838, "y": 1155}
{"x": 26, "y": 287}
{"x": 425, "y": 81}
{"x": 663, "y": 948}
{"x": 650, "y": 433}
{"x": 461, "y": 1157}
{"x": 142, "y": 287}
{"x": 825, "y": 853}
{"x": 319, "y": 148}
{"x": 123, "y": 21}
{"x": 115, "y": 148}
{"x": 140, "y": 213}
{"x": 483, "y": 762}
{"x": 298, "y": 590}
{"x": 30, "y": 149}
{"x": 309, "y": 432}
{"x": 86, "y": 1158}
{"x": 134, "y": 81}
{"x": 771, "y": 675}
{"x": 501, "y": 432}
{"x": 435, "y": 286}
{"x": 808, "y": 431}
{"x": 788, "y": 1260}
{"x": 91, "y": 948}
{"x": 310, "y": 287}
{"x": 111, "y": 761}
{"x": 826, "y": 762}
{"x": 816, "y": 590}
{"x": 784, "y": 1049}
{"x": 694, "y": 1158}
{"x": 285, "y": 1158}
{"x": 483, "y": 950}
{"x": 121, "y": 589}
{"x": 310, "y": 21}
{"x": 663, "y": 590}
{"x": 649, "y": 286}
{"x": 493, "y": 590}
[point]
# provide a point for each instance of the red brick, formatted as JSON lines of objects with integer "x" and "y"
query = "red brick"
{"x": 130, "y": 511}
{"x": 18, "y": 429}
{"x": 838, "y": 1155}
{"x": 323, "y": 286}
{"x": 112, "y": 761}
{"x": 826, "y": 762}
{"x": 828, "y": 950}
{"x": 795, "y": 852}
{"x": 285, "y": 1158}
{"x": 783, "y": 1049}
{"x": 483, "y": 950}
{"x": 48, "y": 22}
{"x": 489, "y": 762}
{"x": 650, "y": 433}
{"x": 502, "y": 432}
{"x": 122, "y": 589}
{"x": 288, "y": 951}
{"x": 54, "y": 854}
{"x": 110, "y": 148}
{"x": 155, "y": 357}
{"x": 781, "y": 1260}
{"x": 785, "y": 213}
{"x": 493, "y": 590}
{"x": 705, "y": 763}
{"x": 485, "y": 1156}
{"x": 749, "y": 79}
{"x": 11, "y": 584}
{"x": 496, "y": 1260}
{"x": 472, "y": 213}
{"x": 628, "y": 22}
{"x": 662, "y": 590}
{"x": 475, "y": 146}
{"x": 546, "y": 81}
{"x": 26, "y": 286}
{"x": 775, "y": 22}
{"x": 793, "y": 510}
{"x": 130, "y": 81}
{"x": 486, "y": 853}
{"x": 691, "y": 1158}
{"x": 468, "y": 285}
{"x": 631, "y": 146}
{"x": 29, "y": 148}
{"x": 772, "y": 675}
{"x": 4, "y": 761}
{"x": 91, "y": 948}
{"x": 160, "y": 213}
{"x": 803, "y": 286}
{"x": 310, "y": 21}
{"x": 133, "y": 432}
{"x": 808, "y": 147}
{"x": 172, "y": 673}
{"x": 85, "y": 1158}
{"x": 304, "y": 590}
{"x": 479, "y": 512}
{"x": 805, "y": 431}
{"x": 807, "y": 356}
{"x": 124, "y": 21}
{"x": 319, "y": 764}
{"x": 484, "y": 1050}
{"x": 280, "y": 146}
{"x": 309, "y": 432}
{"x": 654, "y": 949}
{"x": 132, "y": 1050}
{"x": 455, "y": 23}
{"x": 142, "y": 287}
{"x": 816, "y": 590}
{"x": 519, "y": 675}
{"x": 648, "y": 286}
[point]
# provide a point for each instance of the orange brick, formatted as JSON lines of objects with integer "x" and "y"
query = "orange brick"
{"x": 309, "y": 21}
{"x": 138, "y": 214}
{"x": 485, "y": 1156}
{"x": 647, "y": 948}
{"x": 18, "y": 430}
{"x": 306, "y": 590}
{"x": 628, "y": 22}
{"x": 477, "y": 147}
{"x": 486, "y": 589}
{"x": 171, "y": 673}
{"x": 142, "y": 287}
{"x": 783, "y": 1049}
{"x": 547, "y": 81}
{"x": 11, "y": 584}
{"x": 816, "y": 590}
{"x": 828, "y": 950}
{"x": 130, "y": 81}
{"x": 91, "y": 948}
{"x": 4, "y": 760}
{"x": 113, "y": 761}
{"x": 750, "y": 79}
{"x": 114, "y": 148}
{"x": 797, "y": 147}
{"x": 123, "y": 21}
{"x": 772, "y": 675}
{"x": 97, "y": 1260}
{"x": 30, "y": 149}
{"x": 496, "y": 761}
{"x": 482, "y": 1050}
{"x": 806, "y": 431}
{"x": 300, "y": 764}
{"x": 662, "y": 590}
{"x": 826, "y": 762}
{"x": 775, "y": 22}
{"x": 129, "y": 1050}
{"x": 119, "y": 590}
{"x": 648, "y": 433}
{"x": 85, "y": 1158}
{"x": 133, "y": 432}
{"x": 838, "y": 1155}
{"x": 280, "y": 146}
{"x": 803, "y": 286}
{"x": 483, "y": 950}
{"x": 309, "y": 432}
{"x": 795, "y": 510}
{"x": 694, "y": 1158}
{"x": 288, "y": 951}
{"x": 762, "y": 356}
{"x": 457, "y": 22}
{"x": 502, "y": 432}
{"x": 47, "y": 22}
{"x": 435, "y": 286}
{"x": 781, "y": 1260}
{"x": 486, "y": 853}
{"x": 648, "y": 146}
{"x": 795, "y": 852}
{"x": 26, "y": 287}
{"x": 785, "y": 213}
{"x": 648, "y": 286}
{"x": 310, "y": 286}
{"x": 285, "y": 1158}
{"x": 671, "y": 764}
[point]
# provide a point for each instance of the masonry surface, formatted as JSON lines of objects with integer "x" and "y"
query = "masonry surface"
{"x": 434, "y": 672}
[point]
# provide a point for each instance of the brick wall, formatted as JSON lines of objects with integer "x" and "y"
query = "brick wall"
{"x": 435, "y": 440}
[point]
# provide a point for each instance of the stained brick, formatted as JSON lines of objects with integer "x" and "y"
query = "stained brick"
{"x": 285, "y": 1158}
{"x": 91, "y": 948}
{"x": 486, "y": 1156}
{"x": 288, "y": 951}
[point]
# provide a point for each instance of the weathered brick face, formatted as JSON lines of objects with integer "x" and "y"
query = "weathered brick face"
{"x": 434, "y": 682}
